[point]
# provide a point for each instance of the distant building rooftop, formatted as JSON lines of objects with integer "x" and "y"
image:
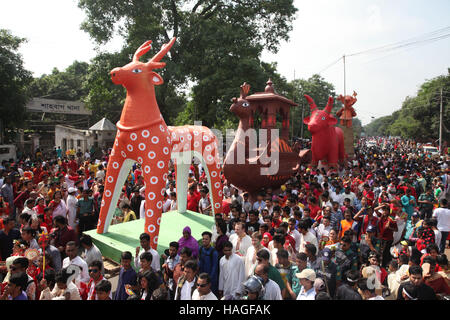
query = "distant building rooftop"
{"x": 104, "y": 125}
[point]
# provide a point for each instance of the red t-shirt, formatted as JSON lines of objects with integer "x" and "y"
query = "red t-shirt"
{"x": 314, "y": 211}
{"x": 73, "y": 165}
{"x": 192, "y": 201}
{"x": 386, "y": 233}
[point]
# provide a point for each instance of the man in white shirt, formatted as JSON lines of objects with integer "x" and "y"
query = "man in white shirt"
{"x": 271, "y": 288}
{"x": 145, "y": 244}
{"x": 73, "y": 259}
{"x": 232, "y": 272}
{"x": 72, "y": 208}
{"x": 294, "y": 233}
{"x": 368, "y": 292}
{"x": 442, "y": 215}
{"x": 306, "y": 237}
{"x": 187, "y": 282}
{"x": 91, "y": 252}
{"x": 203, "y": 291}
{"x": 307, "y": 278}
{"x": 251, "y": 261}
{"x": 349, "y": 194}
{"x": 240, "y": 240}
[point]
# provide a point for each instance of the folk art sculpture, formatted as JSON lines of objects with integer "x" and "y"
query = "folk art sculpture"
{"x": 327, "y": 143}
{"x": 347, "y": 112}
{"x": 248, "y": 166}
{"x": 143, "y": 136}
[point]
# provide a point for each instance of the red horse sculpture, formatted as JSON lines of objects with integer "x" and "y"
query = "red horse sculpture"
{"x": 327, "y": 143}
{"x": 144, "y": 137}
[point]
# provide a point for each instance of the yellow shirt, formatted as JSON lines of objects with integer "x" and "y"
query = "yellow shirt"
{"x": 129, "y": 215}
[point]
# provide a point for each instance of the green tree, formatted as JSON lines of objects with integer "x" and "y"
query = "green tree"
{"x": 219, "y": 43}
{"x": 318, "y": 89}
{"x": 13, "y": 80}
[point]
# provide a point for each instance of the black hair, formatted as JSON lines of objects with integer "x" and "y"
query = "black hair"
{"x": 152, "y": 279}
{"x": 352, "y": 275}
{"x": 430, "y": 260}
{"x": 103, "y": 286}
{"x": 174, "y": 244}
{"x": 19, "y": 279}
{"x": 279, "y": 238}
{"x": 62, "y": 276}
{"x": 22, "y": 261}
{"x": 160, "y": 294}
{"x": 432, "y": 246}
{"x": 228, "y": 244}
{"x": 263, "y": 254}
{"x": 362, "y": 284}
{"x": 415, "y": 270}
{"x": 144, "y": 236}
{"x": 311, "y": 248}
{"x": 302, "y": 224}
{"x": 49, "y": 277}
{"x": 126, "y": 255}
{"x": 346, "y": 239}
{"x": 403, "y": 259}
{"x": 146, "y": 256}
{"x": 86, "y": 239}
{"x": 205, "y": 276}
{"x": 60, "y": 219}
{"x": 187, "y": 251}
{"x": 301, "y": 256}
{"x": 253, "y": 212}
{"x": 25, "y": 216}
{"x": 442, "y": 259}
{"x": 222, "y": 225}
{"x": 411, "y": 289}
{"x": 209, "y": 234}
{"x": 282, "y": 253}
{"x": 71, "y": 244}
{"x": 96, "y": 263}
{"x": 191, "y": 264}
{"x": 30, "y": 231}
{"x": 322, "y": 296}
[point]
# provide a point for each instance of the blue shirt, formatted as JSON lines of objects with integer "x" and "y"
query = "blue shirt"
{"x": 125, "y": 277}
{"x": 209, "y": 263}
{"x": 22, "y": 296}
{"x": 408, "y": 207}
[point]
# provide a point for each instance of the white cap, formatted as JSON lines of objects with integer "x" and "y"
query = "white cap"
{"x": 72, "y": 189}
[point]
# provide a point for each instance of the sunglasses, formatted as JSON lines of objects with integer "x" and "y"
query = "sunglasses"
{"x": 202, "y": 285}
{"x": 93, "y": 270}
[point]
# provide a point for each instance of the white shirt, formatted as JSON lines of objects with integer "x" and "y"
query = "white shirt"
{"x": 307, "y": 295}
{"x": 296, "y": 235}
{"x": 93, "y": 254}
{"x": 155, "y": 261}
{"x": 186, "y": 290}
{"x": 209, "y": 296}
{"x": 232, "y": 274}
{"x": 376, "y": 298}
{"x": 351, "y": 196}
{"x": 437, "y": 236}
{"x": 246, "y": 242}
{"x": 84, "y": 274}
{"x": 308, "y": 238}
{"x": 72, "y": 211}
{"x": 250, "y": 265}
{"x": 166, "y": 205}
{"x": 272, "y": 291}
{"x": 443, "y": 219}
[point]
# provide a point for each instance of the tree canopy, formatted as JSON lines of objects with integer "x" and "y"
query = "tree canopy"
{"x": 219, "y": 44}
{"x": 418, "y": 117}
{"x": 13, "y": 79}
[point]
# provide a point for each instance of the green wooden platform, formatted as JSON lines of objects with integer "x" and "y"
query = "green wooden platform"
{"x": 125, "y": 236}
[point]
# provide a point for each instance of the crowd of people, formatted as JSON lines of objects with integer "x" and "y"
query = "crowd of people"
{"x": 376, "y": 229}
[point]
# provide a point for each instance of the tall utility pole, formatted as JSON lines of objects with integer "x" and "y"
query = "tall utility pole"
{"x": 343, "y": 58}
{"x": 303, "y": 116}
{"x": 440, "y": 127}
{"x": 292, "y": 109}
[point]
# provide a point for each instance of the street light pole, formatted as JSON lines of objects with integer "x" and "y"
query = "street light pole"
{"x": 343, "y": 58}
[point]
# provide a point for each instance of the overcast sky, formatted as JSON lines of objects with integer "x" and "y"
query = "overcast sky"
{"x": 323, "y": 32}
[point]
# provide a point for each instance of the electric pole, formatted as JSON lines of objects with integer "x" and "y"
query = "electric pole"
{"x": 343, "y": 58}
{"x": 440, "y": 127}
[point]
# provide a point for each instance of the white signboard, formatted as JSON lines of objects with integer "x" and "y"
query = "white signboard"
{"x": 57, "y": 106}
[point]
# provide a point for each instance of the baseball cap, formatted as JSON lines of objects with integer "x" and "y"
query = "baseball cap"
{"x": 319, "y": 285}
{"x": 371, "y": 228}
{"x": 415, "y": 214}
{"x": 72, "y": 189}
{"x": 307, "y": 274}
{"x": 326, "y": 254}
